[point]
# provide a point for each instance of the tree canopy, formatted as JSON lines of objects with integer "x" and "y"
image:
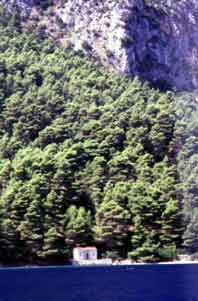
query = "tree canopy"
{"x": 87, "y": 157}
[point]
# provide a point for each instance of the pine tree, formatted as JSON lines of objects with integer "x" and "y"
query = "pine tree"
{"x": 77, "y": 226}
{"x": 112, "y": 225}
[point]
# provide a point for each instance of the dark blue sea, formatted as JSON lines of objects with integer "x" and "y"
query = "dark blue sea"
{"x": 175, "y": 282}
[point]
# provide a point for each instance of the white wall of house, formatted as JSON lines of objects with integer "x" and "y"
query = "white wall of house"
{"x": 85, "y": 254}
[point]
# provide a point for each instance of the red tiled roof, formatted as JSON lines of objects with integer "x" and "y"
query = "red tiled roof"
{"x": 86, "y": 248}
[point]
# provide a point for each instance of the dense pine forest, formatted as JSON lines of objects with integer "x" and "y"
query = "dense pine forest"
{"x": 91, "y": 158}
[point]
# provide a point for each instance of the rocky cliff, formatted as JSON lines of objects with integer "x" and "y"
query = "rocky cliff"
{"x": 156, "y": 40}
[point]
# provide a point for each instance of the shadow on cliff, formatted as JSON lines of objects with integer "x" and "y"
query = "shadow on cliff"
{"x": 161, "y": 49}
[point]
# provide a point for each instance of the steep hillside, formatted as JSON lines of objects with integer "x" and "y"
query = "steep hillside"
{"x": 86, "y": 157}
{"x": 156, "y": 40}
{"x": 91, "y": 157}
{"x": 186, "y": 143}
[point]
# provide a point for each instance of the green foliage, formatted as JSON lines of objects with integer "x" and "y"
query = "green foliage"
{"x": 186, "y": 146}
{"x": 112, "y": 224}
{"x": 78, "y": 224}
{"x": 85, "y": 157}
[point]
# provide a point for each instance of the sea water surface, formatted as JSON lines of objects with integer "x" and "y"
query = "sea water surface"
{"x": 152, "y": 282}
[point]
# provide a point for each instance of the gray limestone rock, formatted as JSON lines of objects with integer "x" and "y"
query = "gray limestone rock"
{"x": 154, "y": 39}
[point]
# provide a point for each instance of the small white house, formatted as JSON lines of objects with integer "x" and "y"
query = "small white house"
{"x": 85, "y": 253}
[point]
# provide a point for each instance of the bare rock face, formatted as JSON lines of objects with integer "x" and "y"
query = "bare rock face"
{"x": 166, "y": 46}
{"x": 100, "y": 27}
{"x": 154, "y": 39}
{"x": 24, "y": 5}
